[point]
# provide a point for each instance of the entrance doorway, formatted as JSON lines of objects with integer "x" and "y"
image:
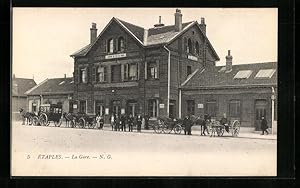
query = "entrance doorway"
{"x": 260, "y": 111}
{"x": 132, "y": 108}
{"x": 116, "y": 107}
{"x": 172, "y": 109}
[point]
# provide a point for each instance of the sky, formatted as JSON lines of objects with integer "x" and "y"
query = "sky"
{"x": 44, "y": 38}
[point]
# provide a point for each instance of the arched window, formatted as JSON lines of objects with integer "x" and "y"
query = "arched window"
{"x": 197, "y": 48}
{"x": 185, "y": 44}
{"x": 110, "y": 45}
{"x": 121, "y": 44}
{"x": 190, "y": 47}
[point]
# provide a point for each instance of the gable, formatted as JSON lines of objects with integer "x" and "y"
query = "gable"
{"x": 113, "y": 31}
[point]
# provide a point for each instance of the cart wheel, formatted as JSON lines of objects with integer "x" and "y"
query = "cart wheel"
{"x": 177, "y": 129}
{"x": 235, "y": 128}
{"x": 58, "y": 123}
{"x": 43, "y": 120}
{"x": 166, "y": 129}
{"x": 157, "y": 127}
{"x": 35, "y": 121}
{"x": 81, "y": 123}
{"x": 92, "y": 125}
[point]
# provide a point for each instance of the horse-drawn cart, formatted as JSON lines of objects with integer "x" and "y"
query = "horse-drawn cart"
{"x": 48, "y": 113}
{"x": 231, "y": 127}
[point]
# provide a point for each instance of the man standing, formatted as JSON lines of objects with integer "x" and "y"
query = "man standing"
{"x": 187, "y": 125}
{"x": 130, "y": 122}
{"x": 123, "y": 118}
{"x": 224, "y": 122}
{"x": 139, "y": 123}
{"x": 264, "y": 125}
{"x": 112, "y": 121}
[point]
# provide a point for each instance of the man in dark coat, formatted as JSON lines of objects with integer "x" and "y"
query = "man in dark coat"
{"x": 264, "y": 125}
{"x": 188, "y": 125}
{"x": 123, "y": 121}
{"x": 224, "y": 122}
{"x": 139, "y": 123}
{"x": 130, "y": 122}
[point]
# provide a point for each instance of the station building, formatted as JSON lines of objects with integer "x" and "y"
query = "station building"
{"x": 169, "y": 71}
{"x": 129, "y": 69}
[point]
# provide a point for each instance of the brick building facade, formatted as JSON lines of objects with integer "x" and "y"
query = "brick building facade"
{"x": 129, "y": 69}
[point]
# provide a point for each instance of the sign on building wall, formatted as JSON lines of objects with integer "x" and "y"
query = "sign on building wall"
{"x": 75, "y": 106}
{"x": 161, "y": 105}
{"x": 191, "y": 57}
{"x": 200, "y": 105}
{"x": 106, "y": 111}
{"x": 113, "y": 56}
{"x": 122, "y": 111}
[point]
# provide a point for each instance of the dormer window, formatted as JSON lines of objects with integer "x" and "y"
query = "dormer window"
{"x": 110, "y": 46}
{"x": 121, "y": 44}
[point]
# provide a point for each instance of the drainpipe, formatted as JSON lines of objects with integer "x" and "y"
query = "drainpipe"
{"x": 179, "y": 104}
{"x": 169, "y": 79}
{"x": 273, "y": 108}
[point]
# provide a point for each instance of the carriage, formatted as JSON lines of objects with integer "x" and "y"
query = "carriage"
{"x": 82, "y": 120}
{"x": 48, "y": 113}
{"x": 167, "y": 125}
{"x": 232, "y": 127}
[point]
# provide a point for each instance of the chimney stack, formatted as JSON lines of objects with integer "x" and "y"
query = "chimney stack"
{"x": 228, "y": 62}
{"x": 178, "y": 20}
{"x": 93, "y": 32}
{"x": 159, "y": 23}
{"x": 145, "y": 36}
{"x": 65, "y": 76}
{"x": 203, "y": 25}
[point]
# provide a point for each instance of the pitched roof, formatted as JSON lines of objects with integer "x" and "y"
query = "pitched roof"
{"x": 21, "y": 85}
{"x": 216, "y": 76}
{"x": 53, "y": 86}
{"x": 156, "y": 35}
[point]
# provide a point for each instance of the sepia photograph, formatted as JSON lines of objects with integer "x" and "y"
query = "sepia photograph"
{"x": 103, "y": 92}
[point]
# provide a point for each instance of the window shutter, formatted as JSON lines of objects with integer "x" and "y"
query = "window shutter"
{"x": 78, "y": 75}
{"x": 105, "y": 46}
{"x": 94, "y": 74}
{"x": 122, "y": 71}
{"x": 157, "y": 65}
{"x": 115, "y": 45}
{"x": 105, "y": 74}
{"x": 146, "y": 68}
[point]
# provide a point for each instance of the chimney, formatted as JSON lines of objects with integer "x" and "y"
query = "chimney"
{"x": 159, "y": 23}
{"x": 203, "y": 26}
{"x": 93, "y": 32}
{"x": 65, "y": 76}
{"x": 228, "y": 62}
{"x": 145, "y": 36}
{"x": 178, "y": 20}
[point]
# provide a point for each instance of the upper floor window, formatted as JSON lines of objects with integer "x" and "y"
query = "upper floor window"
{"x": 131, "y": 71}
{"x": 83, "y": 75}
{"x": 101, "y": 74}
{"x": 197, "y": 50}
{"x": 110, "y": 45}
{"x": 190, "y": 46}
{"x": 152, "y": 70}
{"x": 121, "y": 44}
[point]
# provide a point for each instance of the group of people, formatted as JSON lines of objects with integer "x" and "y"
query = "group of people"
{"x": 121, "y": 122}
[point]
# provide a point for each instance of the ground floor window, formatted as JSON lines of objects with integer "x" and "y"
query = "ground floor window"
{"x": 82, "y": 106}
{"x": 234, "y": 108}
{"x": 34, "y": 107}
{"x": 211, "y": 108}
{"x": 152, "y": 107}
{"x": 132, "y": 108}
{"x": 190, "y": 107}
{"x": 116, "y": 107}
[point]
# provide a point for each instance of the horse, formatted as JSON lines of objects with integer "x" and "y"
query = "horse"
{"x": 202, "y": 122}
{"x": 68, "y": 117}
{"x": 26, "y": 116}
